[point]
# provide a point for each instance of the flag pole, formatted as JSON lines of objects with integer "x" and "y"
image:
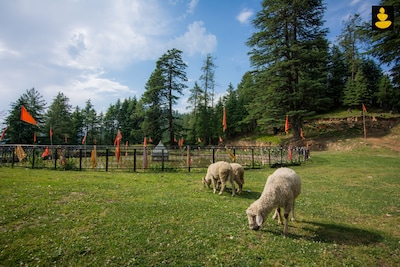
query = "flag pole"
{"x": 363, "y": 108}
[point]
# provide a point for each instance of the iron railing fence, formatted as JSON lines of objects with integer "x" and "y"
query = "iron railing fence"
{"x": 140, "y": 159}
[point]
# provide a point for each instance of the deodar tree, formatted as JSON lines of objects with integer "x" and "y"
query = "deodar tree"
{"x": 289, "y": 55}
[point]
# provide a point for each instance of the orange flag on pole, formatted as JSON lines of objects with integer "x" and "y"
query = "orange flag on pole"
{"x": 117, "y": 143}
{"x": 3, "y": 133}
{"x": 51, "y": 136}
{"x": 287, "y": 124}
{"x": 26, "y": 117}
{"x": 84, "y": 139}
{"x": 225, "y": 126}
{"x": 364, "y": 108}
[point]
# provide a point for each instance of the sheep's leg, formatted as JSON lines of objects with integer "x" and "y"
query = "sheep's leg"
{"x": 288, "y": 208}
{"x": 233, "y": 186}
{"x": 214, "y": 185}
{"x": 223, "y": 185}
{"x": 239, "y": 191}
{"x": 292, "y": 219}
{"x": 285, "y": 227}
{"x": 277, "y": 214}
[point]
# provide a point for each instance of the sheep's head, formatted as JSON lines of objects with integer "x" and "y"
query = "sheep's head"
{"x": 206, "y": 182}
{"x": 255, "y": 217}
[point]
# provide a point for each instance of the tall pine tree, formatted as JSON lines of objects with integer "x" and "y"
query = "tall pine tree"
{"x": 173, "y": 71}
{"x": 289, "y": 51}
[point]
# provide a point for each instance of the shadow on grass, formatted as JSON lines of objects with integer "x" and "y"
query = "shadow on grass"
{"x": 247, "y": 194}
{"x": 329, "y": 233}
{"x": 341, "y": 234}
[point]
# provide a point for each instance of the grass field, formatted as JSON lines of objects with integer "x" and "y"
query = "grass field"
{"x": 347, "y": 215}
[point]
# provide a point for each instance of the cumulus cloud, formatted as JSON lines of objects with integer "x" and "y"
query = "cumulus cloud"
{"x": 244, "y": 16}
{"x": 75, "y": 46}
{"x": 196, "y": 40}
{"x": 191, "y": 6}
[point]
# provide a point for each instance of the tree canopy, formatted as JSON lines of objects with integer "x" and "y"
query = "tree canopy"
{"x": 295, "y": 72}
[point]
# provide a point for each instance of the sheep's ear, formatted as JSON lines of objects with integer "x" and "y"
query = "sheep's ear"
{"x": 259, "y": 220}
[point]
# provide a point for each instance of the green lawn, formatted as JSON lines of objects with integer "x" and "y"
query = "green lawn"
{"x": 347, "y": 215}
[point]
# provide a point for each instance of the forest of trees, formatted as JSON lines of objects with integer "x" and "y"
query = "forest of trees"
{"x": 295, "y": 72}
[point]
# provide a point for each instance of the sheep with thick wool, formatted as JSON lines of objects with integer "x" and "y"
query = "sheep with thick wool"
{"x": 280, "y": 191}
{"x": 238, "y": 175}
{"x": 219, "y": 171}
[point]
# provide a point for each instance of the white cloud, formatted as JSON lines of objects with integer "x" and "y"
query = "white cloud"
{"x": 191, "y": 6}
{"x": 76, "y": 46}
{"x": 196, "y": 40}
{"x": 244, "y": 15}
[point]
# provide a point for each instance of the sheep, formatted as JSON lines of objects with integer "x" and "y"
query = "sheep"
{"x": 222, "y": 171}
{"x": 238, "y": 175}
{"x": 281, "y": 189}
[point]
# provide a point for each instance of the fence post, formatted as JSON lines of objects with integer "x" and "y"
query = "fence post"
{"x": 106, "y": 159}
{"x": 55, "y": 158}
{"x": 12, "y": 160}
{"x": 269, "y": 156}
{"x": 213, "y": 155}
{"x": 80, "y": 159}
{"x": 162, "y": 159}
{"x": 188, "y": 158}
{"x": 281, "y": 155}
{"x": 33, "y": 158}
{"x": 252, "y": 156}
{"x": 134, "y": 160}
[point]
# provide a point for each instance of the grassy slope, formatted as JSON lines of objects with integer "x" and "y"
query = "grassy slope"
{"x": 348, "y": 214}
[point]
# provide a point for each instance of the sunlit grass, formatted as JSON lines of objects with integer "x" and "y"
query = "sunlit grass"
{"x": 348, "y": 214}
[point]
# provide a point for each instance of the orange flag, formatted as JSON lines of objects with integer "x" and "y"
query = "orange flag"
{"x": 34, "y": 137}
{"x": 117, "y": 143}
{"x": 3, "y": 133}
{"x": 224, "y": 125}
{"x": 364, "y": 108}
{"x": 26, "y": 117}
{"x": 301, "y": 133}
{"x": 287, "y": 124}
{"x": 145, "y": 141}
{"x": 84, "y": 139}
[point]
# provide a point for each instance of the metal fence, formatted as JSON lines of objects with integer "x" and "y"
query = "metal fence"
{"x": 140, "y": 159}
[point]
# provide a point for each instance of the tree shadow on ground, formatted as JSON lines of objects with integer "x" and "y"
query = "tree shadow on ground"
{"x": 330, "y": 233}
{"x": 341, "y": 234}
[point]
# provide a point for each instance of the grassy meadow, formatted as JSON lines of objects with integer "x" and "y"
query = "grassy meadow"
{"x": 347, "y": 215}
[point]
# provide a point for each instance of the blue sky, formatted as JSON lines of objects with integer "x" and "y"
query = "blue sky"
{"x": 105, "y": 50}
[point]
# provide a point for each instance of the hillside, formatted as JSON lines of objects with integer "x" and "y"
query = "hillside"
{"x": 339, "y": 131}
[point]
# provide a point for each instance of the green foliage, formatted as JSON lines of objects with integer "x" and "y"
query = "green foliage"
{"x": 293, "y": 73}
{"x": 289, "y": 50}
{"x": 346, "y": 215}
{"x": 59, "y": 119}
{"x": 173, "y": 71}
{"x": 386, "y": 43}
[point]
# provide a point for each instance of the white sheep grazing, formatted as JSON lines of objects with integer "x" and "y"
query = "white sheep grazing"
{"x": 238, "y": 175}
{"x": 281, "y": 189}
{"x": 219, "y": 171}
